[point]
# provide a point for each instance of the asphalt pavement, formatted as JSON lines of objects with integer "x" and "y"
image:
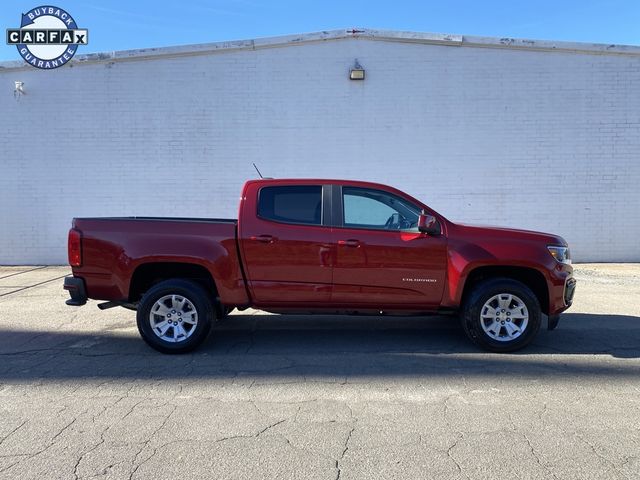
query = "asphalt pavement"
{"x": 317, "y": 397}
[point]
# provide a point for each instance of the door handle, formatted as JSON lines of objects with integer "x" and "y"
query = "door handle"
{"x": 350, "y": 243}
{"x": 264, "y": 238}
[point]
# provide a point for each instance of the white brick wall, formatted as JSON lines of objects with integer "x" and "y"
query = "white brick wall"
{"x": 546, "y": 140}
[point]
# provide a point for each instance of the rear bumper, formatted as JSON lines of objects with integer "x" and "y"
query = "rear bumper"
{"x": 77, "y": 291}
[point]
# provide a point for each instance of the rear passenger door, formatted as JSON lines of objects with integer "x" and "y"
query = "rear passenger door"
{"x": 286, "y": 245}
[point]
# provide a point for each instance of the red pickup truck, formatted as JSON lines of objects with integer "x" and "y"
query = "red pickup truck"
{"x": 320, "y": 246}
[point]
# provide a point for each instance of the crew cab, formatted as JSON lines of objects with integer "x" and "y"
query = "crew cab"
{"x": 320, "y": 246}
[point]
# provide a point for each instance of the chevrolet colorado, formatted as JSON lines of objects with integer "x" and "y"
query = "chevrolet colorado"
{"x": 320, "y": 246}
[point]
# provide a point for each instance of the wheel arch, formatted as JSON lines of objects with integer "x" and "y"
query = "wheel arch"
{"x": 528, "y": 276}
{"x": 149, "y": 274}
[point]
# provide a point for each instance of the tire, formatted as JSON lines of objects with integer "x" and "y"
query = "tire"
{"x": 185, "y": 306}
{"x": 222, "y": 312}
{"x": 501, "y": 315}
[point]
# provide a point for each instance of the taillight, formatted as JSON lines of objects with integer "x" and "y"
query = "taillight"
{"x": 75, "y": 248}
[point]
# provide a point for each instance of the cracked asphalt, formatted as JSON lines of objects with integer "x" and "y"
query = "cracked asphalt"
{"x": 317, "y": 397}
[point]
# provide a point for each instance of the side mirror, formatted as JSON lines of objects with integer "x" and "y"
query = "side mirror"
{"x": 428, "y": 224}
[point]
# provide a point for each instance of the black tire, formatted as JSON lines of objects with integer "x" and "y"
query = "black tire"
{"x": 222, "y": 312}
{"x": 194, "y": 334}
{"x": 475, "y": 302}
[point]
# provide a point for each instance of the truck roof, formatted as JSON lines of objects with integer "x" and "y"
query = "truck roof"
{"x": 315, "y": 181}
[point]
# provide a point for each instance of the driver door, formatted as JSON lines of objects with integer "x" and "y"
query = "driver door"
{"x": 382, "y": 260}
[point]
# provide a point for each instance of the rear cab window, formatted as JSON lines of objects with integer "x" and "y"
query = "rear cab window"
{"x": 298, "y": 204}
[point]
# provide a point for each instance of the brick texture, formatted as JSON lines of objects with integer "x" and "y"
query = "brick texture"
{"x": 529, "y": 139}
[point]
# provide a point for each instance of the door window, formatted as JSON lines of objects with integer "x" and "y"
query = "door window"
{"x": 378, "y": 210}
{"x": 291, "y": 204}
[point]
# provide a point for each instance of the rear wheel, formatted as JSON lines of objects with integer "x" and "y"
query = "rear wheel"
{"x": 175, "y": 316}
{"x": 501, "y": 315}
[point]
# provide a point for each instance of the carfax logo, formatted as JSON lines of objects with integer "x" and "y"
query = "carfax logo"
{"x": 48, "y": 37}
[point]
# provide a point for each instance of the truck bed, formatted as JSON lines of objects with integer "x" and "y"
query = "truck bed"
{"x": 163, "y": 219}
{"x": 116, "y": 249}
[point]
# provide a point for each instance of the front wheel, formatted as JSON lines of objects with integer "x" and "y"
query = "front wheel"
{"x": 175, "y": 316}
{"x": 501, "y": 315}
{"x": 222, "y": 312}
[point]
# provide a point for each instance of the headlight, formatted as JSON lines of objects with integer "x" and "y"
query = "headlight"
{"x": 561, "y": 254}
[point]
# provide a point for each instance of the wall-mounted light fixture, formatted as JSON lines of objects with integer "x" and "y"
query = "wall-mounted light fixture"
{"x": 357, "y": 72}
{"x": 19, "y": 90}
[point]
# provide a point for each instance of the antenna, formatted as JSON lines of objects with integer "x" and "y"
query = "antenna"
{"x": 254, "y": 166}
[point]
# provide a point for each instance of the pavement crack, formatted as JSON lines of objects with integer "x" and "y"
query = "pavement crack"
{"x": 269, "y": 427}
{"x": 87, "y": 452}
{"x": 13, "y": 431}
{"x": 543, "y": 412}
{"x": 131, "y": 409}
{"x": 535, "y": 455}
{"x": 253, "y": 404}
{"x": 295, "y": 417}
{"x": 344, "y": 452}
{"x": 51, "y": 443}
{"x": 145, "y": 444}
{"x": 233, "y": 437}
{"x": 602, "y": 457}
{"x": 75, "y": 467}
{"x": 62, "y": 430}
{"x": 346, "y": 443}
{"x": 452, "y": 458}
{"x": 35, "y": 350}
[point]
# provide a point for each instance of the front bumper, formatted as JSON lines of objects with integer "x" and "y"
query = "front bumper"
{"x": 77, "y": 291}
{"x": 562, "y": 286}
{"x": 569, "y": 291}
{"x": 562, "y": 303}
